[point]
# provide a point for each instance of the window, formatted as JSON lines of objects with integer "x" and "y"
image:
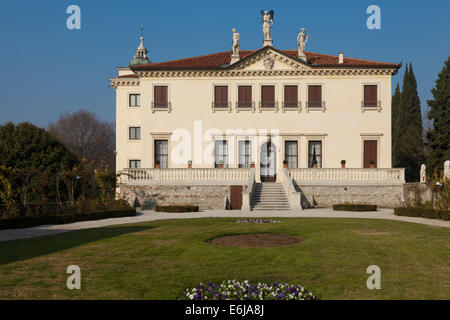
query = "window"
{"x": 135, "y": 133}
{"x": 160, "y": 97}
{"x": 290, "y": 96}
{"x": 220, "y": 96}
{"x": 315, "y": 96}
{"x": 291, "y": 153}
{"x": 135, "y": 164}
{"x": 315, "y": 153}
{"x": 245, "y": 154}
{"x": 134, "y": 100}
{"x": 267, "y": 96}
{"x": 245, "y": 97}
{"x": 162, "y": 153}
{"x": 370, "y": 96}
{"x": 220, "y": 153}
{"x": 370, "y": 153}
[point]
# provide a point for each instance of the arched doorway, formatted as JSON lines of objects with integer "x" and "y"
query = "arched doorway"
{"x": 268, "y": 162}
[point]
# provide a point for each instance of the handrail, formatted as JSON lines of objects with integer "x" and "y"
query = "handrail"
{"x": 247, "y": 193}
{"x": 293, "y": 195}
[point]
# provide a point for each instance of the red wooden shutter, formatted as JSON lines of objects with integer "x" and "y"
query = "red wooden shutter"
{"x": 290, "y": 94}
{"x": 244, "y": 94}
{"x": 268, "y": 93}
{"x": 370, "y": 152}
{"x": 221, "y": 94}
{"x": 315, "y": 93}
{"x": 161, "y": 94}
{"x": 370, "y": 93}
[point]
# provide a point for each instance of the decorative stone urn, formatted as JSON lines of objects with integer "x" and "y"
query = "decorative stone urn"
{"x": 189, "y": 164}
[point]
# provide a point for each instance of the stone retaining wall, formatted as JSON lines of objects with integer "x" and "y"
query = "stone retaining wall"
{"x": 326, "y": 195}
{"x": 204, "y": 196}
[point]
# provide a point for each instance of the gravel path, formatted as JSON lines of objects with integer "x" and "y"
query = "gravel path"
{"x": 149, "y": 215}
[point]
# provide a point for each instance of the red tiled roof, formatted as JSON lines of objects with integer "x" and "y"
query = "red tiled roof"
{"x": 220, "y": 60}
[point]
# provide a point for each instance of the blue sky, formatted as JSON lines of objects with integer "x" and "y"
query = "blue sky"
{"x": 47, "y": 69}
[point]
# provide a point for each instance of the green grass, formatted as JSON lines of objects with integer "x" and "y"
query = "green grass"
{"x": 157, "y": 260}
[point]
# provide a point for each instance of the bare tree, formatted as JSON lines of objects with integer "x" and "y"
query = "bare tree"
{"x": 87, "y": 136}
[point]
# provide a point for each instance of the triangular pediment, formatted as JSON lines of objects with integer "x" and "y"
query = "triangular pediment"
{"x": 269, "y": 58}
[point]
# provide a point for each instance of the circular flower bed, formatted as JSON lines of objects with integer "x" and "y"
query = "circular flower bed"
{"x": 236, "y": 290}
{"x": 257, "y": 221}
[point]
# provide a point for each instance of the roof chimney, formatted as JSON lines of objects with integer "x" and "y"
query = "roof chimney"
{"x": 341, "y": 58}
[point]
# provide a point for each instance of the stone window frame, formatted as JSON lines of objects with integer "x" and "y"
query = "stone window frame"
{"x": 129, "y": 93}
{"x": 363, "y": 109}
{"x": 252, "y": 85}
{"x": 129, "y": 131}
{"x": 371, "y": 136}
{"x": 213, "y": 88}
{"x": 299, "y": 95}
{"x": 169, "y": 100}
{"x": 324, "y": 99}
{"x": 160, "y": 136}
{"x": 314, "y": 137}
{"x": 276, "y": 94}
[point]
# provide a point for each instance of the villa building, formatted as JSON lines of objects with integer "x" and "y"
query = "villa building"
{"x": 209, "y": 129}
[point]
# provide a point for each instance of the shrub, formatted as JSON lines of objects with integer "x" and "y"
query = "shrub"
{"x": 177, "y": 208}
{"x": 236, "y": 290}
{"x": 421, "y": 212}
{"x": 354, "y": 207}
{"x": 30, "y": 221}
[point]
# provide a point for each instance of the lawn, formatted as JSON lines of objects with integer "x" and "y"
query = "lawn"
{"x": 157, "y": 260}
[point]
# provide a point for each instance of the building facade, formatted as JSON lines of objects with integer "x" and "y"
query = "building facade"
{"x": 263, "y": 109}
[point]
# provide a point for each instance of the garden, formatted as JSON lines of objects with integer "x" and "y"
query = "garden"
{"x": 168, "y": 259}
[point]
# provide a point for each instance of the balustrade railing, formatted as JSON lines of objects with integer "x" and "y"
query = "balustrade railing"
{"x": 186, "y": 175}
{"x": 348, "y": 175}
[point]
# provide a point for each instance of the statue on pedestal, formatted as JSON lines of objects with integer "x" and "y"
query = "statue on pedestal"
{"x": 447, "y": 170}
{"x": 267, "y": 20}
{"x": 235, "y": 47}
{"x": 302, "y": 39}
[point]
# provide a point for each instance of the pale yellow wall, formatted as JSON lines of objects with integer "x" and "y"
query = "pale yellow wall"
{"x": 341, "y": 127}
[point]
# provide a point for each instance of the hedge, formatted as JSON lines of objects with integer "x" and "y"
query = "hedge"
{"x": 178, "y": 208}
{"x": 31, "y": 221}
{"x": 422, "y": 213}
{"x": 354, "y": 207}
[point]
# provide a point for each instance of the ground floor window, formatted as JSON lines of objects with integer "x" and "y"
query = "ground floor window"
{"x": 291, "y": 153}
{"x": 162, "y": 153}
{"x": 220, "y": 153}
{"x": 135, "y": 164}
{"x": 245, "y": 154}
{"x": 315, "y": 154}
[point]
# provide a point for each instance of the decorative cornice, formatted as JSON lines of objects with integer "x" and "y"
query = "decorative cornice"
{"x": 122, "y": 82}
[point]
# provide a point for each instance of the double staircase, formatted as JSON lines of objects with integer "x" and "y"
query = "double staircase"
{"x": 270, "y": 196}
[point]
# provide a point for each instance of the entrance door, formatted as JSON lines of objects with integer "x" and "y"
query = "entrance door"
{"x": 370, "y": 153}
{"x": 268, "y": 162}
{"x": 236, "y": 197}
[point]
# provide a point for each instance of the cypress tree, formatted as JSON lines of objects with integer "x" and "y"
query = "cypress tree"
{"x": 439, "y": 113}
{"x": 394, "y": 124}
{"x": 409, "y": 149}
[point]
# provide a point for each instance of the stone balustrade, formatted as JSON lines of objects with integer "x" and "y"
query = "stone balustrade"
{"x": 348, "y": 176}
{"x": 191, "y": 176}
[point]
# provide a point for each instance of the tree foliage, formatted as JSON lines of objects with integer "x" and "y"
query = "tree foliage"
{"x": 408, "y": 148}
{"x": 32, "y": 158}
{"x": 87, "y": 136}
{"x": 439, "y": 113}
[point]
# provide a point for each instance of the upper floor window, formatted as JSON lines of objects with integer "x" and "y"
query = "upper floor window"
{"x": 290, "y": 97}
{"x": 267, "y": 97}
{"x": 221, "y": 97}
{"x": 245, "y": 153}
{"x": 315, "y": 97}
{"x": 135, "y": 164}
{"x": 220, "y": 153}
{"x": 245, "y": 97}
{"x": 134, "y": 133}
{"x": 370, "y": 96}
{"x": 160, "y": 97}
{"x": 134, "y": 100}
{"x": 291, "y": 153}
{"x": 315, "y": 154}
